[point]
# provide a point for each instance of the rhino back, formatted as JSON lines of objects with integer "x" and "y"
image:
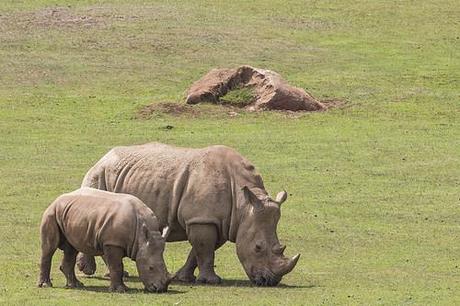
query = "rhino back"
{"x": 181, "y": 185}
{"x": 90, "y": 219}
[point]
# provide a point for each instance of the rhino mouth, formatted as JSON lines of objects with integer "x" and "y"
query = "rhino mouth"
{"x": 156, "y": 289}
{"x": 265, "y": 278}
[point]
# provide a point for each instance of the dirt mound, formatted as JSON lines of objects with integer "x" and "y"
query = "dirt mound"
{"x": 174, "y": 109}
{"x": 184, "y": 110}
{"x": 270, "y": 90}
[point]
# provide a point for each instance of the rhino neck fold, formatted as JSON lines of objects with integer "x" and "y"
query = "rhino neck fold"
{"x": 235, "y": 215}
{"x": 131, "y": 251}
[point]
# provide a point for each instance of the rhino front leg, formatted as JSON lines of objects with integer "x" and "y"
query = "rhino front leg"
{"x": 68, "y": 266}
{"x": 113, "y": 256}
{"x": 125, "y": 273}
{"x": 186, "y": 273}
{"x": 203, "y": 238}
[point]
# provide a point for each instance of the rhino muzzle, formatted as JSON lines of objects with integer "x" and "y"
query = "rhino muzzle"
{"x": 268, "y": 278}
{"x": 156, "y": 288}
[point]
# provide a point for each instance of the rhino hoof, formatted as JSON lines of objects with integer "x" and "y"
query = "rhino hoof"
{"x": 184, "y": 278}
{"x": 210, "y": 279}
{"x": 44, "y": 284}
{"x": 125, "y": 274}
{"x": 76, "y": 284}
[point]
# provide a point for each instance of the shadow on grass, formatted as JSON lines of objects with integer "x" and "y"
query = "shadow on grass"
{"x": 132, "y": 279}
{"x": 243, "y": 283}
{"x": 225, "y": 283}
{"x": 105, "y": 289}
{"x": 248, "y": 283}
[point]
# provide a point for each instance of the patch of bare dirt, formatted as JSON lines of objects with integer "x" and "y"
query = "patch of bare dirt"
{"x": 64, "y": 17}
{"x": 174, "y": 109}
{"x": 333, "y": 103}
{"x": 185, "y": 110}
{"x": 55, "y": 17}
{"x": 210, "y": 111}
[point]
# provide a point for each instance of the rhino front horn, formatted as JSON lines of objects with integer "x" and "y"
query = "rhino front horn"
{"x": 290, "y": 264}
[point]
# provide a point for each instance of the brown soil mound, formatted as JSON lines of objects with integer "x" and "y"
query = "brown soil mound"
{"x": 179, "y": 110}
{"x": 271, "y": 91}
{"x": 174, "y": 109}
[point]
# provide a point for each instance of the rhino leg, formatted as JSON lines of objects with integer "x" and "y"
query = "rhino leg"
{"x": 203, "y": 238}
{"x": 114, "y": 258}
{"x": 50, "y": 237}
{"x": 68, "y": 266}
{"x": 125, "y": 273}
{"x": 86, "y": 264}
{"x": 186, "y": 273}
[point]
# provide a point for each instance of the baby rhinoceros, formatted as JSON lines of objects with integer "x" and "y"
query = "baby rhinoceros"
{"x": 103, "y": 223}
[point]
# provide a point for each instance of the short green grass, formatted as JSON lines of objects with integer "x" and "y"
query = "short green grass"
{"x": 239, "y": 97}
{"x": 374, "y": 186}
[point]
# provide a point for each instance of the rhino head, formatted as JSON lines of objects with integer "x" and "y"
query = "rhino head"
{"x": 149, "y": 261}
{"x": 257, "y": 244}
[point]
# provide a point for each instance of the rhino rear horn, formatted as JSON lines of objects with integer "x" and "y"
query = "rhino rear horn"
{"x": 279, "y": 249}
{"x": 281, "y": 197}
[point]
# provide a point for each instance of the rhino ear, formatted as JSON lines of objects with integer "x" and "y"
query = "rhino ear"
{"x": 145, "y": 233}
{"x": 252, "y": 198}
{"x": 281, "y": 197}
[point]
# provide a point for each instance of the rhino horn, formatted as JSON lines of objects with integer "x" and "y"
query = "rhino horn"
{"x": 279, "y": 250}
{"x": 165, "y": 232}
{"x": 288, "y": 266}
{"x": 281, "y": 197}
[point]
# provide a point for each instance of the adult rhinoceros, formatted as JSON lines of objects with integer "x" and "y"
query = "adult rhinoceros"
{"x": 206, "y": 196}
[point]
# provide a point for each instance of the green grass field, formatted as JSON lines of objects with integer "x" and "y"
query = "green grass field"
{"x": 375, "y": 185}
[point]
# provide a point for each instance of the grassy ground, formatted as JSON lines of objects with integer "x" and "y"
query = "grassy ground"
{"x": 374, "y": 186}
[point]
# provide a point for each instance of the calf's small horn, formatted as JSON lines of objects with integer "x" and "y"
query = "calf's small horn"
{"x": 165, "y": 232}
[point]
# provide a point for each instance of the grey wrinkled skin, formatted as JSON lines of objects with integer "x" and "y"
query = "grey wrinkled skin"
{"x": 105, "y": 224}
{"x": 207, "y": 196}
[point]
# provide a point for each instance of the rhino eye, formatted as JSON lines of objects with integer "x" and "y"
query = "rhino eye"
{"x": 150, "y": 268}
{"x": 258, "y": 247}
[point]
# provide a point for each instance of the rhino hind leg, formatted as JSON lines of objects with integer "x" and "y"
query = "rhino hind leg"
{"x": 186, "y": 273}
{"x": 68, "y": 266}
{"x": 86, "y": 264}
{"x": 203, "y": 238}
{"x": 50, "y": 237}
